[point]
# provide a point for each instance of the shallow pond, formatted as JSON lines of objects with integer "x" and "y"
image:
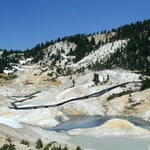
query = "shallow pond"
{"x": 92, "y": 121}
{"x": 103, "y": 143}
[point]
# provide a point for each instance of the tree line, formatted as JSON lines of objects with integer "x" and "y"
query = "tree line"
{"x": 135, "y": 56}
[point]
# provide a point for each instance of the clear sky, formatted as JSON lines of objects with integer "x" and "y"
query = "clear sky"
{"x": 25, "y": 23}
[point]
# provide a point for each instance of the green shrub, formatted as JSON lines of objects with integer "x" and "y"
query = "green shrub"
{"x": 119, "y": 94}
{"x": 39, "y": 144}
{"x": 24, "y": 142}
{"x": 49, "y": 145}
{"x": 5, "y": 147}
{"x": 8, "y": 146}
{"x": 78, "y": 148}
{"x": 54, "y": 146}
{"x": 145, "y": 84}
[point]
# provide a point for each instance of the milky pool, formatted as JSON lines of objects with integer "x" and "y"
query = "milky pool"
{"x": 110, "y": 143}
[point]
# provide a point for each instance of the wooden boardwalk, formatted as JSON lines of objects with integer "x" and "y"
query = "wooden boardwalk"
{"x": 95, "y": 94}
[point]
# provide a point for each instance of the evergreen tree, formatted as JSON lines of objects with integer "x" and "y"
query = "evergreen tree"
{"x": 39, "y": 144}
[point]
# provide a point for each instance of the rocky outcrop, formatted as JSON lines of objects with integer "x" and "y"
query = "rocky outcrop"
{"x": 117, "y": 127}
{"x": 135, "y": 104}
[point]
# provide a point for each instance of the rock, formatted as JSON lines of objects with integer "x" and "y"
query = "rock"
{"x": 117, "y": 127}
{"x": 136, "y": 104}
{"x": 123, "y": 125}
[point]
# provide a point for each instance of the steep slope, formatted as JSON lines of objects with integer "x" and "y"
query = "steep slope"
{"x": 126, "y": 47}
{"x": 103, "y": 53}
{"x": 57, "y": 57}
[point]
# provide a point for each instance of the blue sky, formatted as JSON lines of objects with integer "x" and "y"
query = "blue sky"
{"x": 25, "y": 23}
